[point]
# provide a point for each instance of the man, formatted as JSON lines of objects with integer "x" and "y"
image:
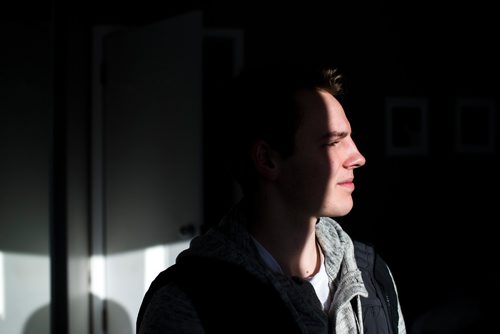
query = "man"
{"x": 277, "y": 262}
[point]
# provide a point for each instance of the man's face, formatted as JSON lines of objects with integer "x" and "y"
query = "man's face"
{"x": 317, "y": 179}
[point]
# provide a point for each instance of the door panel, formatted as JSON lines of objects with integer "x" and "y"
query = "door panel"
{"x": 152, "y": 154}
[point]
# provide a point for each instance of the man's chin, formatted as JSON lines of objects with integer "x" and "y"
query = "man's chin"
{"x": 338, "y": 211}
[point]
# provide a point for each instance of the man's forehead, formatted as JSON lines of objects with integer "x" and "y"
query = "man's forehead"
{"x": 322, "y": 115}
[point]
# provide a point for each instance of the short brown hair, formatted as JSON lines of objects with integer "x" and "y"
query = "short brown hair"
{"x": 263, "y": 106}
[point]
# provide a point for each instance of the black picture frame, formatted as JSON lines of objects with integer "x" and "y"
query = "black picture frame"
{"x": 406, "y": 126}
{"x": 475, "y": 125}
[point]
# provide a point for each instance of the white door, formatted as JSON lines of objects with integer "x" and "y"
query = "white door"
{"x": 147, "y": 159}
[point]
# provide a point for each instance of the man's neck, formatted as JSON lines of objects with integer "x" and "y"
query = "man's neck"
{"x": 289, "y": 236}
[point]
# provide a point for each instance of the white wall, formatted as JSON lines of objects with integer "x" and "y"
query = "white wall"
{"x": 25, "y": 297}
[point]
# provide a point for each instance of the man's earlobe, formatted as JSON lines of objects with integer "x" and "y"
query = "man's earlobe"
{"x": 264, "y": 159}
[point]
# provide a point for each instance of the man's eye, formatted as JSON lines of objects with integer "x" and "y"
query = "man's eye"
{"x": 332, "y": 143}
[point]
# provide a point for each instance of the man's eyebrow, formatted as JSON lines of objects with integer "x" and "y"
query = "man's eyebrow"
{"x": 334, "y": 135}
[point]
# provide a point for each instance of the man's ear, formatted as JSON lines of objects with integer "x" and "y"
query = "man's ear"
{"x": 265, "y": 159}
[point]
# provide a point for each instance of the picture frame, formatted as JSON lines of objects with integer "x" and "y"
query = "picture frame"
{"x": 406, "y": 126}
{"x": 475, "y": 125}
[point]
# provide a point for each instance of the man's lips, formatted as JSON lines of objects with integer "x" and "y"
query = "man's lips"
{"x": 348, "y": 183}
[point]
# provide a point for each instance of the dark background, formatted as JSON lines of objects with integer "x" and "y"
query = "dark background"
{"x": 431, "y": 216}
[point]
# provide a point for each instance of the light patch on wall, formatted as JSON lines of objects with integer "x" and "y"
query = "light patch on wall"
{"x": 154, "y": 262}
{"x": 98, "y": 276}
{"x": 2, "y": 288}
